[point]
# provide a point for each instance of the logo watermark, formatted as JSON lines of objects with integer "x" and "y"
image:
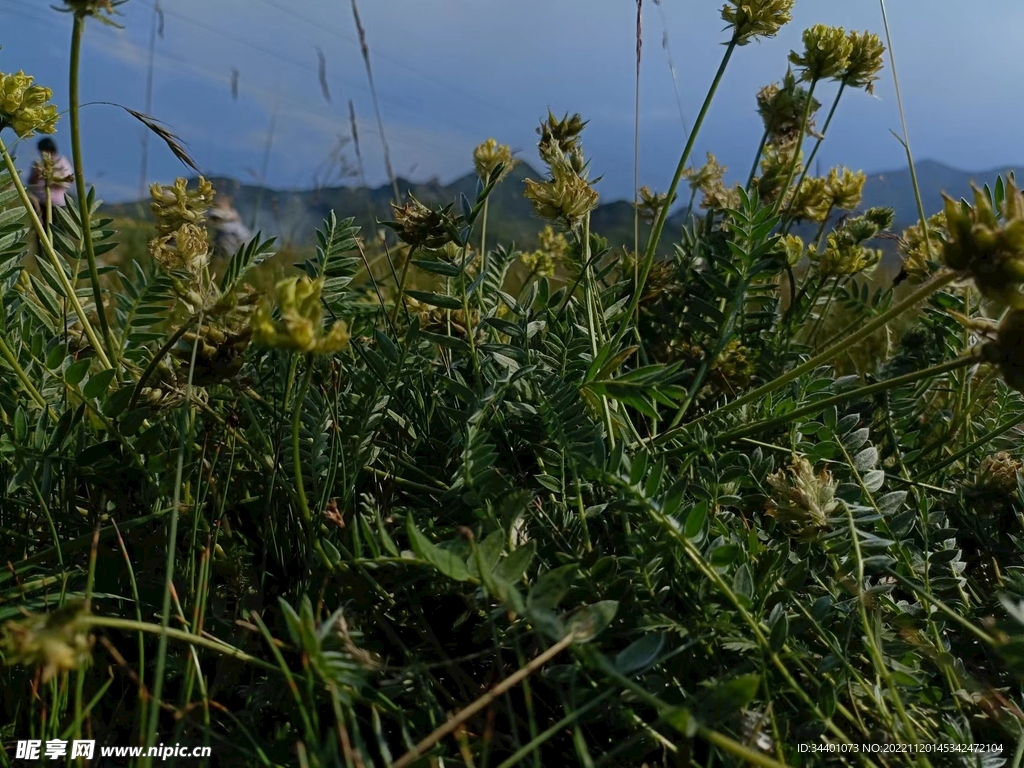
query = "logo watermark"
{"x": 53, "y": 749}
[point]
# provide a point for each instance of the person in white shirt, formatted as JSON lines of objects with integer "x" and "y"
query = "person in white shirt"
{"x": 52, "y": 173}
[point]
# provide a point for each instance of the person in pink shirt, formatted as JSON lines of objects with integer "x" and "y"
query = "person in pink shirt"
{"x": 51, "y": 172}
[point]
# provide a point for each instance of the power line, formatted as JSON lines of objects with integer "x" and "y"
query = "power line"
{"x": 400, "y": 104}
{"x": 413, "y": 70}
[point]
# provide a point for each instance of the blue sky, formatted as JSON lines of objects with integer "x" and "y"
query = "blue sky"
{"x": 451, "y": 73}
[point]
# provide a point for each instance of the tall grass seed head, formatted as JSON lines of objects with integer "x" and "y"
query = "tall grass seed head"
{"x": 750, "y": 19}
{"x": 24, "y": 107}
{"x": 54, "y": 641}
{"x": 865, "y": 62}
{"x": 803, "y": 501}
{"x": 489, "y": 155}
{"x": 782, "y": 110}
{"x": 420, "y": 226}
{"x": 300, "y": 327}
{"x": 826, "y": 53}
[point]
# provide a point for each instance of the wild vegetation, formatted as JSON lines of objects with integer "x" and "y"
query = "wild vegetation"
{"x": 719, "y": 500}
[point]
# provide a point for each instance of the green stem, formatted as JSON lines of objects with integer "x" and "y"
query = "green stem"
{"x": 51, "y": 255}
{"x": 8, "y": 354}
{"x": 401, "y": 283}
{"x": 936, "y": 283}
{"x": 300, "y": 486}
{"x": 1003, "y": 428}
{"x": 757, "y": 159}
{"x": 155, "y": 362}
{"x": 818, "y": 143}
{"x": 659, "y": 226}
{"x": 796, "y": 151}
{"x": 906, "y": 136}
{"x": 83, "y": 201}
{"x": 870, "y": 389}
{"x": 172, "y": 538}
{"x": 200, "y": 641}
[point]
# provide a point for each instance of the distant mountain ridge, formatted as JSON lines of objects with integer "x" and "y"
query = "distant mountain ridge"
{"x": 293, "y": 216}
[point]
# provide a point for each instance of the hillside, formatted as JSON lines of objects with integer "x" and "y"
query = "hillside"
{"x": 294, "y": 215}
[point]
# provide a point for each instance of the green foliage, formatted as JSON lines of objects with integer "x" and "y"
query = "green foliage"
{"x": 511, "y": 521}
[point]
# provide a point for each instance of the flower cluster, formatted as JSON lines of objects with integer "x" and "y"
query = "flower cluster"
{"x": 182, "y": 241}
{"x": 423, "y": 227}
{"x": 25, "y": 107}
{"x": 791, "y": 248}
{"x": 1006, "y": 348}
{"x": 826, "y": 53}
{"x": 566, "y": 196}
{"x": 845, "y": 253}
{"x": 750, "y": 19}
{"x": 301, "y": 320}
{"x": 553, "y": 250}
{"x": 986, "y": 243}
{"x": 709, "y": 181}
{"x": 442, "y": 321}
{"x": 782, "y": 110}
{"x": 914, "y": 246}
{"x": 803, "y": 501}
{"x": 103, "y": 10}
{"x": 489, "y": 155}
{"x": 776, "y": 162}
{"x": 865, "y": 61}
{"x": 48, "y": 174}
{"x": 845, "y": 187}
{"x": 997, "y": 474}
{"x": 55, "y": 641}
{"x": 650, "y": 204}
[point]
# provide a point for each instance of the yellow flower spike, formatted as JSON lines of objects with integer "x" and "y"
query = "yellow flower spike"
{"x": 566, "y": 198}
{"x": 846, "y": 188}
{"x": 843, "y": 257}
{"x": 300, "y": 328}
{"x": 792, "y": 248}
{"x": 865, "y": 62}
{"x": 489, "y": 155}
{"x": 750, "y": 19}
{"x": 826, "y": 53}
{"x": 812, "y": 201}
{"x": 24, "y": 107}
